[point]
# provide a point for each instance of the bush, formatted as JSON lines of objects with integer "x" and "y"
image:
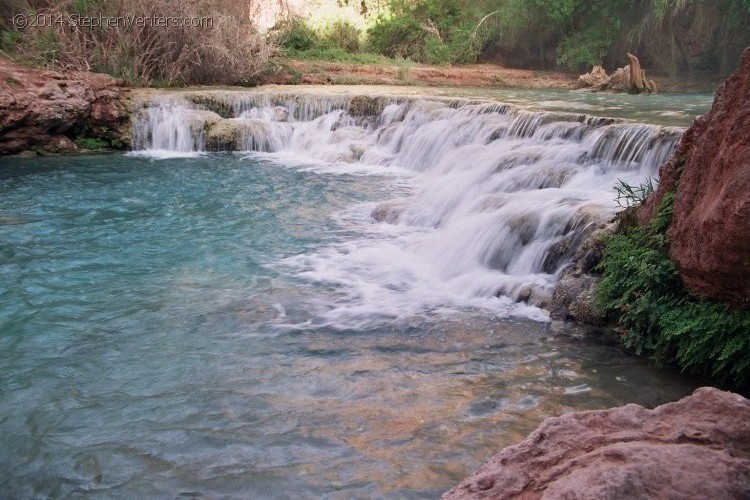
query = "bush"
{"x": 342, "y": 35}
{"x": 223, "y": 48}
{"x": 294, "y": 34}
{"x": 430, "y": 31}
{"x": 640, "y": 286}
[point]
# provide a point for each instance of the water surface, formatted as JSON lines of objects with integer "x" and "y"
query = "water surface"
{"x": 159, "y": 339}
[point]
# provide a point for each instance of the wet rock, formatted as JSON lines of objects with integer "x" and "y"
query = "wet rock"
{"x": 709, "y": 236}
{"x": 45, "y": 110}
{"x": 698, "y": 447}
{"x": 223, "y": 135}
{"x": 215, "y": 103}
{"x": 574, "y": 293}
{"x": 388, "y": 211}
{"x": 366, "y": 106}
{"x": 573, "y": 298}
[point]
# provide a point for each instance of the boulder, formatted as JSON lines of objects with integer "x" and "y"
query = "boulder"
{"x": 573, "y": 298}
{"x": 709, "y": 236}
{"x": 43, "y": 110}
{"x": 698, "y": 447}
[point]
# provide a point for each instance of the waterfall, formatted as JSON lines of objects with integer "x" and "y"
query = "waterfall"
{"x": 501, "y": 196}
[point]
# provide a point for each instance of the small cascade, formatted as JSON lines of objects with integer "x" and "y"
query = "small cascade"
{"x": 501, "y": 197}
{"x": 169, "y": 126}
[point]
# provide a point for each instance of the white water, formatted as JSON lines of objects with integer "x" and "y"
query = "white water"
{"x": 489, "y": 201}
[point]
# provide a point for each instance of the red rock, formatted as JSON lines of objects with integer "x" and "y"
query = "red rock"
{"x": 709, "y": 237}
{"x": 698, "y": 447}
{"x": 43, "y": 109}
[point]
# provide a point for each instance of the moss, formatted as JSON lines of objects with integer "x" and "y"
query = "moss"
{"x": 91, "y": 143}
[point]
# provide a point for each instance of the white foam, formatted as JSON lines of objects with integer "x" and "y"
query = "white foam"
{"x": 496, "y": 199}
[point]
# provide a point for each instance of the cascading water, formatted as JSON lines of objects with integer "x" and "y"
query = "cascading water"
{"x": 495, "y": 202}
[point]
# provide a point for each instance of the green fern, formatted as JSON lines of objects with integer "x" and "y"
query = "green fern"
{"x": 640, "y": 287}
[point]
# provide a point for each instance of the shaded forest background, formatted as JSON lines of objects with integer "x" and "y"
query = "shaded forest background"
{"x": 675, "y": 38}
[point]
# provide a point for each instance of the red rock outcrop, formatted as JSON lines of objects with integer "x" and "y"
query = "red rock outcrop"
{"x": 709, "y": 237}
{"x": 698, "y": 447}
{"x": 45, "y": 110}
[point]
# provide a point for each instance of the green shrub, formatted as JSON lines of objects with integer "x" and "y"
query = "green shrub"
{"x": 294, "y": 34}
{"x": 641, "y": 287}
{"x": 430, "y": 31}
{"x": 342, "y": 35}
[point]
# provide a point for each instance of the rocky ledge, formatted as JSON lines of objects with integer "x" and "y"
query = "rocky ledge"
{"x": 698, "y": 447}
{"x": 53, "y": 112}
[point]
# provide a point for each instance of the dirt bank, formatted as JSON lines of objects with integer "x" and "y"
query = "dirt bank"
{"x": 474, "y": 75}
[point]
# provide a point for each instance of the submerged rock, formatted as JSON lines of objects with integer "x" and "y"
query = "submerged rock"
{"x": 709, "y": 236}
{"x": 389, "y": 211}
{"x": 698, "y": 447}
{"x": 574, "y": 293}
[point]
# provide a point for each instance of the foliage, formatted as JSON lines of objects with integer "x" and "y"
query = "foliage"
{"x": 91, "y": 143}
{"x": 338, "y": 41}
{"x": 628, "y": 196}
{"x": 431, "y": 31}
{"x": 641, "y": 287}
{"x": 294, "y": 34}
{"x": 342, "y": 35}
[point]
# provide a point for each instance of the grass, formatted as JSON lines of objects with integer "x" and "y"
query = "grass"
{"x": 338, "y": 55}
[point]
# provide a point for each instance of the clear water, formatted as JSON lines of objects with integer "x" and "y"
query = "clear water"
{"x": 160, "y": 336}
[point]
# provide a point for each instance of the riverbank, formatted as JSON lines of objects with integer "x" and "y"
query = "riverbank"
{"x": 407, "y": 73}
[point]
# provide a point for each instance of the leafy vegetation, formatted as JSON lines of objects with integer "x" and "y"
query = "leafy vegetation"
{"x": 629, "y": 196}
{"x": 574, "y": 34}
{"x": 656, "y": 315}
{"x": 91, "y": 143}
{"x": 669, "y": 36}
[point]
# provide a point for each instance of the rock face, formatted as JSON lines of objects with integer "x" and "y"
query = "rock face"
{"x": 698, "y": 447}
{"x": 709, "y": 237}
{"x": 45, "y": 110}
